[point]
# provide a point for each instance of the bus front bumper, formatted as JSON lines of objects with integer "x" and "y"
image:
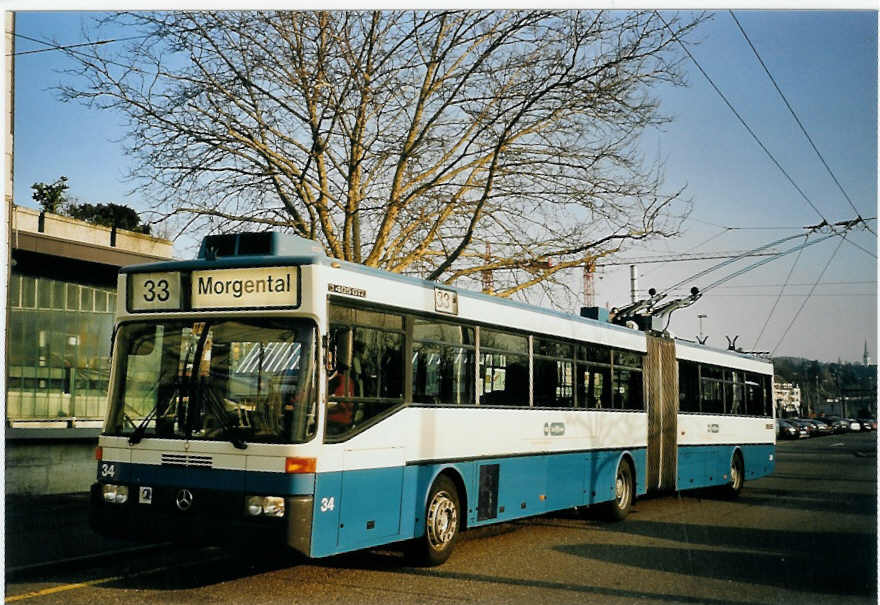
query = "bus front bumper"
{"x": 198, "y": 516}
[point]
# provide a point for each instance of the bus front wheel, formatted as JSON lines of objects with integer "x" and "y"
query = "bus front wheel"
{"x": 618, "y": 508}
{"x": 442, "y": 520}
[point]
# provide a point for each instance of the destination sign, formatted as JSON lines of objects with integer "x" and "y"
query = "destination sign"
{"x": 255, "y": 287}
{"x": 445, "y": 301}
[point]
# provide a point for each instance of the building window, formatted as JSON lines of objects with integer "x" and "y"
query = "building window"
{"x": 59, "y": 364}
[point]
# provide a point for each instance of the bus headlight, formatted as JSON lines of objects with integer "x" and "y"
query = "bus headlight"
{"x": 273, "y": 506}
{"x": 267, "y": 506}
{"x": 115, "y": 494}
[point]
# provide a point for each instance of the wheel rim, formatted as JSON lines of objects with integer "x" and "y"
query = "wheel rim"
{"x": 442, "y": 520}
{"x": 621, "y": 489}
{"x": 735, "y": 474}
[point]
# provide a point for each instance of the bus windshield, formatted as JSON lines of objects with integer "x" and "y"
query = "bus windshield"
{"x": 238, "y": 380}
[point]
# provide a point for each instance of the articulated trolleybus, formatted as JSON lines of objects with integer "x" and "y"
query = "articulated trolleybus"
{"x": 265, "y": 389}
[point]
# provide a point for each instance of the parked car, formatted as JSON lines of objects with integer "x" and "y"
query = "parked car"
{"x": 837, "y": 424}
{"x": 854, "y": 425}
{"x": 786, "y": 430}
{"x": 822, "y": 428}
{"x": 868, "y": 424}
{"x": 805, "y": 428}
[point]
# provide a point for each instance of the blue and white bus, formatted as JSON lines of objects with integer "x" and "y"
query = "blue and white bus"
{"x": 267, "y": 389}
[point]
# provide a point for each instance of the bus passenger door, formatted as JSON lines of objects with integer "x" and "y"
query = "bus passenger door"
{"x": 372, "y": 488}
{"x": 661, "y": 380}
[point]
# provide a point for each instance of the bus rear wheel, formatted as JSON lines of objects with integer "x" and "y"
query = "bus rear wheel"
{"x": 737, "y": 476}
{"x": 442, "y": 521}
{"x": 618, "y": 508}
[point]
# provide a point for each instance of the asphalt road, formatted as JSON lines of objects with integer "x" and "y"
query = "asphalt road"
{"x": 807, "y": 534}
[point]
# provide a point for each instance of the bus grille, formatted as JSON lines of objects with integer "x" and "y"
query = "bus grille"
{"x": 187, "y": 460}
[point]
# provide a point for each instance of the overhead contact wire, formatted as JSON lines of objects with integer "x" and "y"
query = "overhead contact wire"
{"x": 732, "y": 260}
{"x": 781, "y": 290}
{"x": 797, "y": 119}
{"x": 742, "y": 120}
{"x": 804, "y": 302}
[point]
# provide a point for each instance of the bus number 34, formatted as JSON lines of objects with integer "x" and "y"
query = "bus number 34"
{"x": 327, "y": 504}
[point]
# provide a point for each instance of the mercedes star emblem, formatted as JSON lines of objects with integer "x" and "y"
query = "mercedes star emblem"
{"x": 184, "y": 499}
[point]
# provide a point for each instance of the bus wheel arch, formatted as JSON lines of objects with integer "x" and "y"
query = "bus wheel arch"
{"x": 624, "y": 490}
{"x": 456, "y": 478}
{"x": 444, "y": 514}
{"x": 737, "y": 474}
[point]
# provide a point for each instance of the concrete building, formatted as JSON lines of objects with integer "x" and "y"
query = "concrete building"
{"x": 787, "y": 398}
{"x": 62, "y": 303}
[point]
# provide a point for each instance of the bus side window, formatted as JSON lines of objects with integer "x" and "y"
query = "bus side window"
{"x": 365, "y": 373}
{"x": 688, "y": 386}
{"x": 594, "y": 386}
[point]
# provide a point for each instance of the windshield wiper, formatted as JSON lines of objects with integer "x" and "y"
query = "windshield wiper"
{"x": 140, "y": 430}
{"x": 138, "y": 433}
{"x": 230, "y": 431}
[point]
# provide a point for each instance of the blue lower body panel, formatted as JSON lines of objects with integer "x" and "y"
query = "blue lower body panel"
{"x": 363, "y": 508}
{"x": 708, "y": 465}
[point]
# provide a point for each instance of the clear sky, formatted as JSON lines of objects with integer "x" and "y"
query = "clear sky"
{"x": 824, "y": 61}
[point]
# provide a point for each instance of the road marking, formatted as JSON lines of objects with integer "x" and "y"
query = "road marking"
{"x": 62, "y": 588}
{"x": 66, "y": 587}
{"x": 57, "y": 562}
{"x": 837, "y": 444}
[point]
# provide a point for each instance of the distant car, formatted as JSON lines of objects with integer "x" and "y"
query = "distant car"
{"x": 830, "y": 421}
{"x": 854, "y": 425}
{"x": 838, "y": 424}
{"x": 868, "y": 424}
{"x": 786, "y": 430}
{"x": 822, "y": 428}
{"x": 805, "y": 428}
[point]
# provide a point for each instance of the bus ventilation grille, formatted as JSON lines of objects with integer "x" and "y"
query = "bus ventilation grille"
{"x": 187, "y": 460}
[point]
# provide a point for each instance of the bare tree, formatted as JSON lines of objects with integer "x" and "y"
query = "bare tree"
{"x": 442, "y": 144}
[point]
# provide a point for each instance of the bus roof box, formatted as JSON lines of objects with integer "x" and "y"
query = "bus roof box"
{"x": 598, "y": 313}
{"x": 267, "y": 243}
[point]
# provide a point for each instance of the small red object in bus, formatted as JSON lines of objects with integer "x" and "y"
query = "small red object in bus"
{"x": 99, "y": 453}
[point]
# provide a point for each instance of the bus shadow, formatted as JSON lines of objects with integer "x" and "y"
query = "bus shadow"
{"x": 204, "y": 567}
{"x": 810, "y": 560}
{"x": 396, "y": 562}
{"x": 811, "y": 500}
